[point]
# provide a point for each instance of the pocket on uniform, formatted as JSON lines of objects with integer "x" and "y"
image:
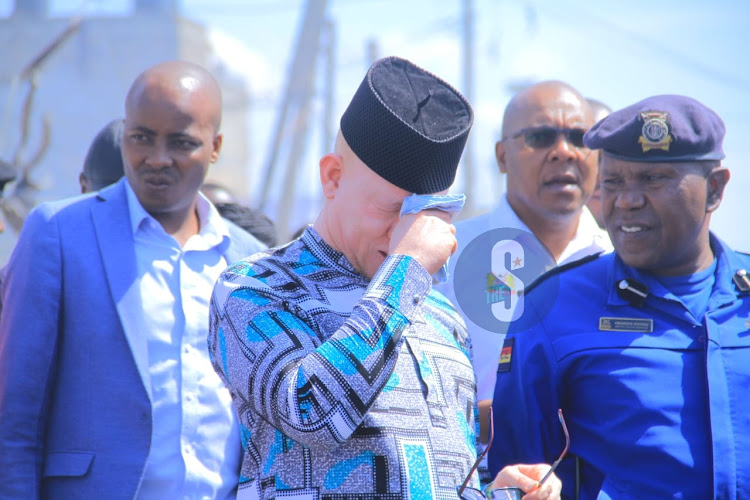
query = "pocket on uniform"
{"x": 70, "y": 464}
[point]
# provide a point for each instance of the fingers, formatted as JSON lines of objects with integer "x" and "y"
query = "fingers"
{"x": 527, "y": 478}
{"x": 428, "y": 236}
{"x": 511, "y": 475}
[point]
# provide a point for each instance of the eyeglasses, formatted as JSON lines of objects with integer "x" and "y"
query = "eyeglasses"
{"x": 564, "y": 452}
{"x": 546, "y": 136}
{"x": 509, "y": 493}
{"x": 466, "y": 493}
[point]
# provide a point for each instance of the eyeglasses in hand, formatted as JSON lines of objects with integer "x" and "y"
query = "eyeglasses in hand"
{"x": 564, "y": 452}
{"x": 509, "y": 493}
{"x": 467, "y": 493}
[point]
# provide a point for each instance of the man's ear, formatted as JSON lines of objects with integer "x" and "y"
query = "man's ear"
{"x": 500, "y": 156}
{"x": 715, "y": 183}
{"x": 83, "y": 181}
{"x": 331, "y": 168}
{"x": 218, "y": 140}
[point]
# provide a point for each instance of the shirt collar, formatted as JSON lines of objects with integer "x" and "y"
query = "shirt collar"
{"x": 213, "y": 229}
{"x": 589, "y": 237}
{"x": 326, "y": 253}
{"x": 138, "y": 214}
{"x": 724, "y": 290}
{"x": 504, "y": 216}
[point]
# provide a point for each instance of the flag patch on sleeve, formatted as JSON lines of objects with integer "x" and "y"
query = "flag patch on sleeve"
{"x": 506, "y": 353}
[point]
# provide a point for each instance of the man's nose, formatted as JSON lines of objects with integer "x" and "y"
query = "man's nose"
{"x": 629, "y": 198}
{"x": 563, "y": 150}
{"x": 158, "y": 156}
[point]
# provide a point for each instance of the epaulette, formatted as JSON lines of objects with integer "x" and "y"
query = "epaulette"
{"x": 558, "y": 269}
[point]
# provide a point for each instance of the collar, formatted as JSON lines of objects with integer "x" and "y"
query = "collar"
{"x": 326, "y": 253}
{"x": 504, "y": 216}
{"x": 213, "y": 231}
{"x": 725, "y": 290}
{"x": 588, "y": 239}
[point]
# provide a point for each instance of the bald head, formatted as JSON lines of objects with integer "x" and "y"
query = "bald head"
{"x": 599, "y": 109}
{"x": 170, "y": 139}
{"x": 545, "y": 94}
{"x": 177, "y": 81}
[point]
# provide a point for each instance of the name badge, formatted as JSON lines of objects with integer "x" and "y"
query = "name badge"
{"x": 639, "y": 325}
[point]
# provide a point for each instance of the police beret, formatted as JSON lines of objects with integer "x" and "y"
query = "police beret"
{"x": 408, "y": 126}
{"x": 663, "y": 128}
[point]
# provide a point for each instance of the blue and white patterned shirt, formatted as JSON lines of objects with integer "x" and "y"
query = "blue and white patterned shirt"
{"x": 343, "y": 386}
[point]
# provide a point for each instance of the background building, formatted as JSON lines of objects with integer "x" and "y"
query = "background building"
{"x": 81, "y": 85}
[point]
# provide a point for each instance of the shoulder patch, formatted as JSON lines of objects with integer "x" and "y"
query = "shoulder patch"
{"x": 503, "y": 364}
{"x": 559, "y": 269}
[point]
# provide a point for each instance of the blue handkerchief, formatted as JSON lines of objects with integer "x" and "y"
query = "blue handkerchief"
{"x": 451, "y": 203}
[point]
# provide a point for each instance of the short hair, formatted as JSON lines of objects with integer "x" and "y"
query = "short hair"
{"x": 252, "y": 221}
{"x": 103, "y": 163}
{"x": 216, "y": 193}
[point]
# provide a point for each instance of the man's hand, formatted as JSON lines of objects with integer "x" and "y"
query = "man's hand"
{"x": 427, "y": 236}
{"x": 527, "y": 478}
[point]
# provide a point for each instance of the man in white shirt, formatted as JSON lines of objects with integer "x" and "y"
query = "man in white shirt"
{"x": 106, "y": 386}
{"x": 550, "y": 175}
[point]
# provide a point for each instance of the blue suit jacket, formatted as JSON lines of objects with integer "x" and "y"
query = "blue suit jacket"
{"x": 75, "y": 413}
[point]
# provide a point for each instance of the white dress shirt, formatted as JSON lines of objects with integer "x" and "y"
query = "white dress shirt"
{"x": 195, "y": 445}
{"x": 486, "y": 345}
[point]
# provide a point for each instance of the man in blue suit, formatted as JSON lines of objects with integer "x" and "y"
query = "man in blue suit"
{"x": 106, "y": 388}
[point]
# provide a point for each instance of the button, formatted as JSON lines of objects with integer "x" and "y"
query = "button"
{"x": 415, "y": 300}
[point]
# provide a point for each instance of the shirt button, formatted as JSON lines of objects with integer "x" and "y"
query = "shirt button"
{"x": 415, "y": 300}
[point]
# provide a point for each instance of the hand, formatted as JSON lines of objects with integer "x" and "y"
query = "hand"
{"x": 427, "y": 236}
{"x": 527, "y": 478}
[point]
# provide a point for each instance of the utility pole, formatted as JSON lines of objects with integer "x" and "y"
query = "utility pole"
{"x": 292, "y": 125}
{"x": 468, "y": 90}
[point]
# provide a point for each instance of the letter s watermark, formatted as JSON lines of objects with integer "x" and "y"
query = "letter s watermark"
{"x": 506, "y": 254}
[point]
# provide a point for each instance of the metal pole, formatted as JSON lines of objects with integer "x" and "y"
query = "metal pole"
{"x": 298, "y": 91}
{"x": 468, "y": 77}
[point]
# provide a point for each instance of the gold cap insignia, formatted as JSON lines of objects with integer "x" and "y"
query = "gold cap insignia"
{"x": 655, "y": 131}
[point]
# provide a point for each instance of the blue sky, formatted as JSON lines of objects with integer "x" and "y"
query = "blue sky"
{"x": 617, "y": 52}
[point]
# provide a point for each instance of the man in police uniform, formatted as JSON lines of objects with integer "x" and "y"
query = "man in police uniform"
{"x": 647, "y": 350}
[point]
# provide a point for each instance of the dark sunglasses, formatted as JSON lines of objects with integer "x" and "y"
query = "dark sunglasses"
{"x": 466, "y": 493}
{"x": 545, "y": 136}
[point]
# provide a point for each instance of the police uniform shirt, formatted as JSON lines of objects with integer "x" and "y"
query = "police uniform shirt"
{"x": 655, "y": 400}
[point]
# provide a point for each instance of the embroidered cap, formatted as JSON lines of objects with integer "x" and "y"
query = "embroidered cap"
{"x": 408, "y": 126}
{"x": 663, "y": 128}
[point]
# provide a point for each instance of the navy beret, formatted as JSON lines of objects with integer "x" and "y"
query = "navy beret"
{"x": 663, "y": 128}
{"x": 408, "y": 126}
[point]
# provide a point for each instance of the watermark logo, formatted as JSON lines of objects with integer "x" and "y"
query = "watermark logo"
{"x": 505, "y": 289}
{"x": 492, "y": 274}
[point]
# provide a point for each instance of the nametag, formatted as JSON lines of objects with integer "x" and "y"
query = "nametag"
{"x": 626, "y": 325}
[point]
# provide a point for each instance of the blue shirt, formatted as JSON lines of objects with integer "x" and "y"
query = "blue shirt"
{"x": 195, "y": 450}
{"x": 655, "y": 398}
{"x": 344, "y": 386}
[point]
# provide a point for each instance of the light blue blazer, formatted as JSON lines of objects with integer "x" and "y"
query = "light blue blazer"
{"x": 75, "y": 414}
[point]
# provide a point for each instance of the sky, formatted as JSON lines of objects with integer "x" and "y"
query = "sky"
{"x": 616, "y": 52}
